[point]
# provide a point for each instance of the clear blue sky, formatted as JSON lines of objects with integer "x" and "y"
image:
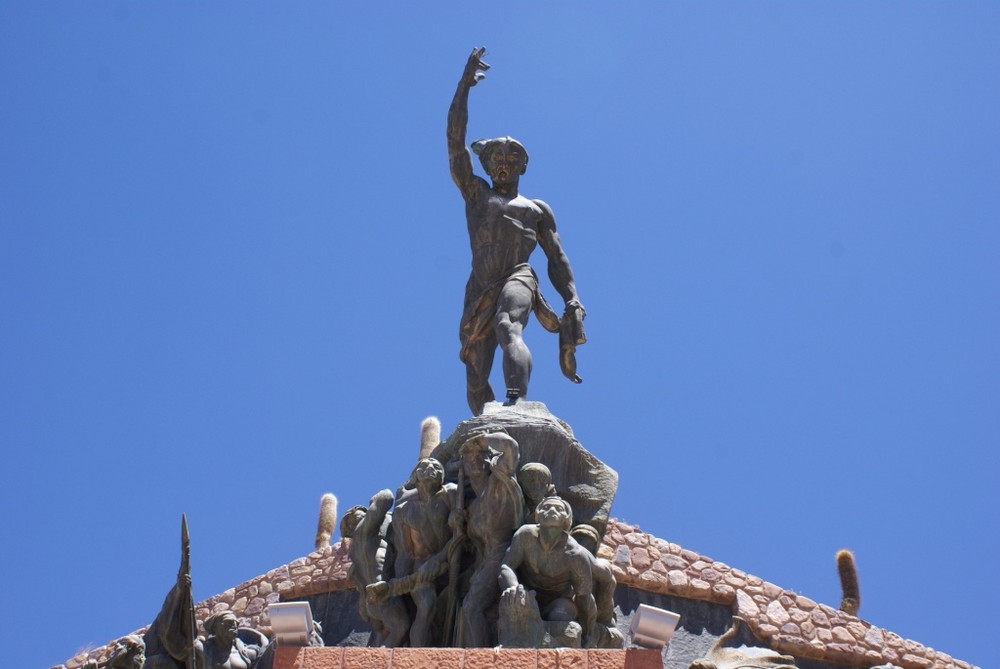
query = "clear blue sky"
{"x": 232, "y": 263}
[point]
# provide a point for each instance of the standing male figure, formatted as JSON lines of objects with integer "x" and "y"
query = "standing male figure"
{"x": 504, "y": 228}
{"x": 422, "y": 538}
{"x": 489, "y": 463}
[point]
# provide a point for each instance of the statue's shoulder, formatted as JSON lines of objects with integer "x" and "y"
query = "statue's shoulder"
{"x": 526, "y": 532}
{"x": 544, "y": 206}
{"x": 578, "y": 552}
{"x": 546, "y": 219}
{"x": 478, "y": 189}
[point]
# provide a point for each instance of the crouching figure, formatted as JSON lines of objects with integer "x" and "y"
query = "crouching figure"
{"x": 546, "y": 577}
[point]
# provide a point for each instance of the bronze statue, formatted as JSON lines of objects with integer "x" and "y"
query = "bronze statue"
{"x": 504, "y": 228}
{"x": 608, "y": 635}
{"x": 423, "y": 540}
{"x": 535, "y": 480}
{"x": 546, "y": 559}
{"x": 229, "y": 646}
{"x": 489, "y": 463}
{"x": 365, "y": 528}
{"x": 172, "y": 640}
{"x": 128, "y": 652}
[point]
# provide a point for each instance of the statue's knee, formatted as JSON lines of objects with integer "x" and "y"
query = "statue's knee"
{"x": 562, "y": 609}
{"x": 424, "y": 599}
{"x": 507, "y": 330}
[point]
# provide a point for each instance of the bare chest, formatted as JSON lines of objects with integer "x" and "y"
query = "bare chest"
{"x": 497, "y": 220}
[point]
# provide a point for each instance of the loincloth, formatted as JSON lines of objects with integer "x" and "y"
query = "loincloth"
{"x": 481, "y": 306}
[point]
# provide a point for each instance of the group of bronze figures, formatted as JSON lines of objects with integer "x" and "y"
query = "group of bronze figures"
{"x": 483, "y": 554}
{"x": 488, "y": 554}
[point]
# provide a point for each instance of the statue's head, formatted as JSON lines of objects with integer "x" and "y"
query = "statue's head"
{"x": 554, "y": 511}
{"x": 535, "y": 480}
{"x": 586, "y": 536}
{"x": 351, "y": 520}
{"x": 475, "y": 455}
{"x": 129, "y": 652}
{"x": 429, "y": 469}
{"x": 504, "y": 158}
{"x": 479, "y": 453}
{"x": 224, "y": 626}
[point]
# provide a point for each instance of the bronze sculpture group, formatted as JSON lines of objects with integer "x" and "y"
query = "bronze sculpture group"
{"x": 481, "y": 561}
{"x": 433, "y": 572}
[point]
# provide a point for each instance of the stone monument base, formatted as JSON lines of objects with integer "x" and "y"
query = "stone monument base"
{"x": 289, "y": 657}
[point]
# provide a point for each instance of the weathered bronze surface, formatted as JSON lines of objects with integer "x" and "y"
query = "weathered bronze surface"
{"x": 229, "y": 646}
{"x": 504, "y": 228}
{"x": 424, "y": 540}
{"x": 544, "y": 557}
{"x": 367, "y": 528}
{"x": 128, "y": 652}
{"x": 172, "y": 641}
{"x": 579, "y": 477}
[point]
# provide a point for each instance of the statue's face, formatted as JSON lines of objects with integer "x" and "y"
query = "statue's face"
{"x": 476, "y": 462}
{"x": 534, "y": 482}
{"x": 506, "y": 164}
{"x": 227, "y": 629}
{"x": 353, "y": 520}
{"x": 430, "y": 471}
{"x": 552, "y": 513}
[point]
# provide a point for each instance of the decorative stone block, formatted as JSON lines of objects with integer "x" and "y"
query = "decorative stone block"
{"x": 606, "y": 659}
{"x": 570, "y": 658}
{"x": 367, "y": 658}
{"x": 428, "y": 658}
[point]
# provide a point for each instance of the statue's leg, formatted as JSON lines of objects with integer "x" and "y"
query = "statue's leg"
{"x": 389, "y": 623}
{"x": 423, "y": 596}
{"x": 513, "y": 308}
{"x": 561, "y": 609}
{"x": 397, "y": 623}
{"x": 478, "y": 364}
{"x": 483, "y": 590}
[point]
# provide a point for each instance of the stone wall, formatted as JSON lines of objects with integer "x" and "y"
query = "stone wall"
{"x": 787, "y": 621}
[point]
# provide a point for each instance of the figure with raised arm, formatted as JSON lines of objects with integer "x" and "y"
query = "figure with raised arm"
{"x": 366, "y": 528}
{"x": 489, "y": 463}
{"x": 504, "y": 228}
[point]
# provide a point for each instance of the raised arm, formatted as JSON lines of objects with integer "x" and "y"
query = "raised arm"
{"x": 560, "y": 273}
{"x": 378, "y": 508}
{"x": 459, "y": 157}
{"x": 509, "y": 456}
